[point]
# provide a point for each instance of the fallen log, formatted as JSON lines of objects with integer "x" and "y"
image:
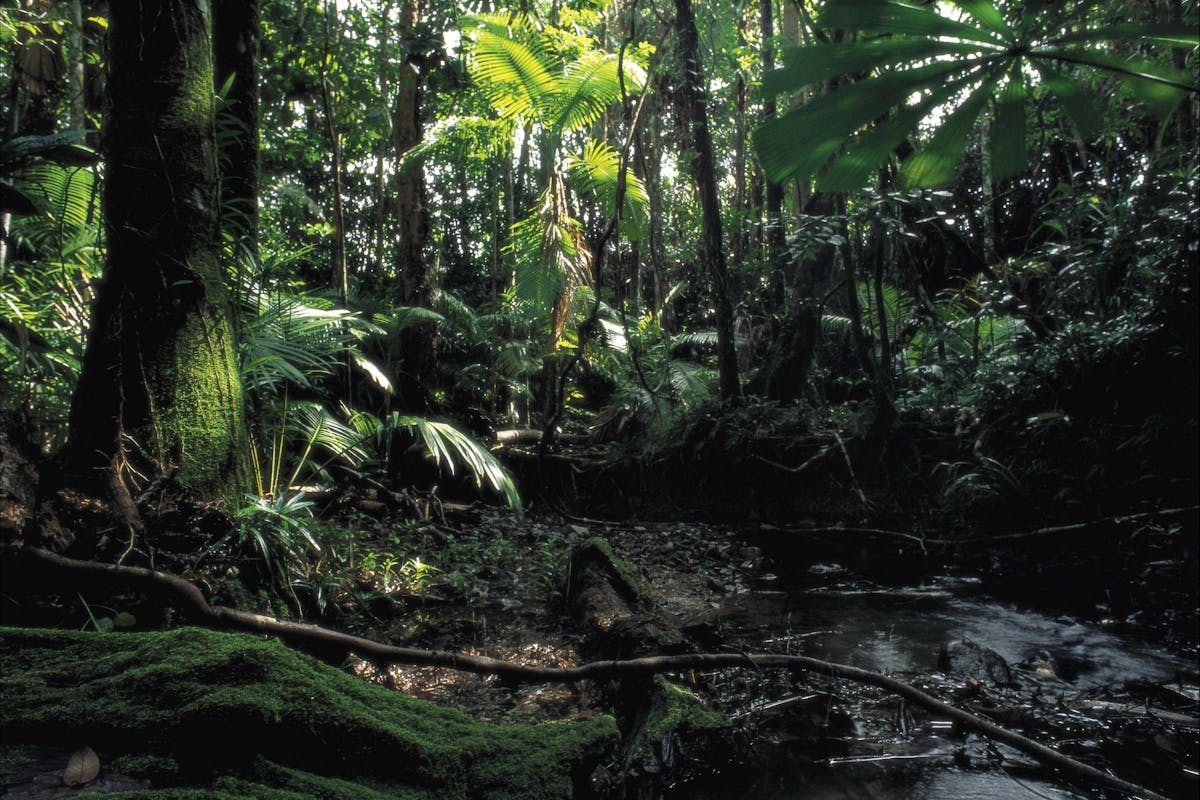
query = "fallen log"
{"x": 42, "y": 566}
{"x": 614, "y": 608}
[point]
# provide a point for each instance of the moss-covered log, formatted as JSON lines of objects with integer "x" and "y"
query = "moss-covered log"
{"x": 205, "y": 714}
{"x": 613, "y": 607}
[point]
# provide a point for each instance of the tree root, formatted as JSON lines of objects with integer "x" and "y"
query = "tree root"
{"x": 46, "y": 568}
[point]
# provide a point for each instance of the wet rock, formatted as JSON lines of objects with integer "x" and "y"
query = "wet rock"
{"x": 969, "y": 659}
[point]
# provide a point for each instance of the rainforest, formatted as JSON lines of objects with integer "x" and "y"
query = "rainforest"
{"x": 599, "y": 399}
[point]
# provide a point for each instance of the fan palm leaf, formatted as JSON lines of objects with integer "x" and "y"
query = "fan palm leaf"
{"x": 923, "y": 48}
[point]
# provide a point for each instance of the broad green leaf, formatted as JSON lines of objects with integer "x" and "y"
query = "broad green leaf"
{"x": 889, "y": 17}
{"x": 595, "y": 171}
{"x": 1157, "y": 86}
{"x": 1008, "y": 136}
{"x": 590, "y": 84}
{"x": 1181, "y": 35}
{"x": 823, "y": 124}
{"x": 1076, "y": 99}
{"x": 516, "y": 80}
{"x": 804, "y": 66}
{"x": 987, "y": 15}
{"x": 863, "y": 157}
{"x": 937, "y": 162}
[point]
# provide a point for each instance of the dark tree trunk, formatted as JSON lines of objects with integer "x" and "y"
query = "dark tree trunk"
{"x": 693, "y": 104}
{"x": 236, "y": 39}
{"x": 773, "y": 218}
{"x": 417, "y": 343}
{"x": 159, "y": 386}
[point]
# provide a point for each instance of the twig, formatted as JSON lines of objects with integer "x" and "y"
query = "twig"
{"x": 335, "y": 646}
{"x": 850, "y": 468}
{"x": 824, "y": 451}
{"x": 1083, "y": 526}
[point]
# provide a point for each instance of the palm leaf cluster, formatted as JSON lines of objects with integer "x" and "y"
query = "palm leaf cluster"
{"x": 526, "y": 83}
{"x": 949, "y": 62}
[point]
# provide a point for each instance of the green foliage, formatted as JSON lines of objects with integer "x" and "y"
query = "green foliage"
{"x": 954, "y": 66}
{"x": 595, "y": 172}
{"x": 448, "y": 446}
{"x": 45, "y": 287}
{"x": 278, "y": 531}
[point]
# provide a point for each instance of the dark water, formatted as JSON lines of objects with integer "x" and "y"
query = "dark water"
{"x": 855, "y": 621}
{"x": 894, "y": 622}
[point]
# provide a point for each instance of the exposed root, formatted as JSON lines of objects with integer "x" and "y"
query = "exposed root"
{"x": 46, "y": 568}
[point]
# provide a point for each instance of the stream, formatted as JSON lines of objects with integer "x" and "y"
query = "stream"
{"x": 886, "y": 618}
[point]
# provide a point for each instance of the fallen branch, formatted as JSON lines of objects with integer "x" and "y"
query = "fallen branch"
{"x": 1075, "y": 527}
{"x": 32, "y": 564}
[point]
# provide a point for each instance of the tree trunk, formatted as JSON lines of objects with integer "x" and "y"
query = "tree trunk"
{"x": 341, "y": 274}
{"x": 75, "y": 65}
{"x": 693, "y": 104}
{"x": 236, "y": 37}
{"x": 417, "y": 343}
{"x": 740, "y": 97}
{"x": 773, "y": 216}
{"x": 159, "y": 386}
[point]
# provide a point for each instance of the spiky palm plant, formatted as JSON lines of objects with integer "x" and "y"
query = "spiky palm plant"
{"x": 529, "y": 85}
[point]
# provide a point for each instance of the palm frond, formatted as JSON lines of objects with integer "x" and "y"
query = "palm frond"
{"x": 595, "y": 172}
{"x": 459, "y": 140}
{"x": 450, "y": 448}
{"x": 515, "y": 76}
{"x": 589, "y": 85}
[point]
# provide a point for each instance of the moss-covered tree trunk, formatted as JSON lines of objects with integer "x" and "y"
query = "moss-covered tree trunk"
{"x": 159, "y": 387}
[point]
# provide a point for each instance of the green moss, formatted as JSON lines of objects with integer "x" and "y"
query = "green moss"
{"x": 14, "y": 760}
{"x": 232, "y": 705}
{"x": 200, "y": 424}
{"x": 674, "y": 713}
{"x": 675, "y": 708}
{"x": 597, "y": 553}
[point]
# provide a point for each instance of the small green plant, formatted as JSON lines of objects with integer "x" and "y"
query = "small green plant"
{"x": 279, "y": 531}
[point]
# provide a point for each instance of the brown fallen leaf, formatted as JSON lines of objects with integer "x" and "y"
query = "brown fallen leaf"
{"x": 83, "y": 767}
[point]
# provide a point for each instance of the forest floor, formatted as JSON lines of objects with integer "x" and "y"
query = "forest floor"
{"x": 1106, "y": 671}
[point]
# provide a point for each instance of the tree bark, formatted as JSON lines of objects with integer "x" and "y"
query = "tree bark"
{"x": 693, "y": 104}
{"x": 159, "y": 386}
{"x": 236, "y": 40}
{"x": 75, "y": 65}
{"x": 341, "y": 274}
{"x": 417, "y": 343}
{"x": 773, "y": 216}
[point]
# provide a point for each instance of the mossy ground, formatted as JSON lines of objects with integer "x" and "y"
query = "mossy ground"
{"x": 208, "y": 714}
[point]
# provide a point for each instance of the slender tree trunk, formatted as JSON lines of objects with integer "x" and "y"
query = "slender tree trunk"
{"x": 236, "y": 38}
{"x": 382, "y": 178}
{"x": 740, "y": 92}
{"x": 159, "y": 386}
{"x": 11, "y": 126}
{"x": 693, "y": 103}
{"x": 75, "y": 68}
{"x": 987, "y": 192}
{"x": 794, "y": 35}
{"x": 417, "y": 343}
{"x": 774, "y": 192}
{"x": 341, "y": 275}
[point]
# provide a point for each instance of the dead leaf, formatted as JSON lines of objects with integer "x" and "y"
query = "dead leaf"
{"x": 83, "y": 767}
